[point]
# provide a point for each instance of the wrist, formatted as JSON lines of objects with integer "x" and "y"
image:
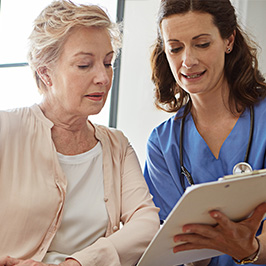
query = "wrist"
{"x": 252, "y": 258}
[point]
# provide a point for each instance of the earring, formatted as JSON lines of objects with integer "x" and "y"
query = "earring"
{"x": 48, "y": 83}
{"x": 228, "y": 50}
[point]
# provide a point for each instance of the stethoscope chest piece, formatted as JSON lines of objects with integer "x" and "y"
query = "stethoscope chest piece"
{"x": 242, "y": 167}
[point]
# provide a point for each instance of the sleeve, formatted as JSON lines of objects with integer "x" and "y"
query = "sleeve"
{"x": 139, "y": 217}
{"x": 138, "y": 213}
{"x": 161, "y": 175}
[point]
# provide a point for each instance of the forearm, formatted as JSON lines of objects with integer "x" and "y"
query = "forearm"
{"x": 262, "y": 252}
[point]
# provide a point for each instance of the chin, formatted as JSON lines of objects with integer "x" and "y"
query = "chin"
{"x": 93, "y": 112}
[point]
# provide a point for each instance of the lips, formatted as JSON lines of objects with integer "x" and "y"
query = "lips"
{"x": 193, "y": 75}
{"x": 97, "y": 96}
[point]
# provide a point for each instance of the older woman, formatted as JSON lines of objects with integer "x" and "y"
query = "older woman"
{"x": 66, "y": 184}
{"x": 205, "y": 70}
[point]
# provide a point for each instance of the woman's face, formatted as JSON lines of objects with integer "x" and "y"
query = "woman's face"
{"x": 82, "y": 76}
{"x": 195, "y": 51}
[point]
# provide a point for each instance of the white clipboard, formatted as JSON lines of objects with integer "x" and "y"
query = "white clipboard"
{"x": 234, "y": 195}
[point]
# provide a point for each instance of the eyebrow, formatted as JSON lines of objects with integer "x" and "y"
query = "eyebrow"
{"x": 194, "y": 38}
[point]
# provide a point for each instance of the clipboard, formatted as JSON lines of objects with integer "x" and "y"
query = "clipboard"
{"x": 234, "y": 195}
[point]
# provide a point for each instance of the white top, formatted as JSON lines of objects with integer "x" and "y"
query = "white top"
{"x": 85, "y": 217}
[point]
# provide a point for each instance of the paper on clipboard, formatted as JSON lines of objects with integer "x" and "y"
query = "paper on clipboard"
{"x": 235, "y": 195}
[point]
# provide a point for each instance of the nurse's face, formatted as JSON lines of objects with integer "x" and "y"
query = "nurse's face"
{"x": 195, "y": 51}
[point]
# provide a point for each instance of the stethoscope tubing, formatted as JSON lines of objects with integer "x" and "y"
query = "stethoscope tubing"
{"x": 251, "y": 129}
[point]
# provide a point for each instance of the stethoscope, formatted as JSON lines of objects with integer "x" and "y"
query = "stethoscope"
{"x": 242, "y": 167}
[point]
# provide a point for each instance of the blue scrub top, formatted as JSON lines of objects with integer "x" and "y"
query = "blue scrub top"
{"x": 162, "y": 168}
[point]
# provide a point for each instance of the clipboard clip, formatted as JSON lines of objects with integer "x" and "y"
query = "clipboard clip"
{"x": 242, "y": 175}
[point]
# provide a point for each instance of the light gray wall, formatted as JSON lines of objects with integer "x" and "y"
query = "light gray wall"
{"x": 251, "y": 14}
{"x": 136, "y": 112}
{"x": 137, "y": 115}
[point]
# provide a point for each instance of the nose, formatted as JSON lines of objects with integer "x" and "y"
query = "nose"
{"x": 189, "y": 58}
{"x": 102, "y": 75}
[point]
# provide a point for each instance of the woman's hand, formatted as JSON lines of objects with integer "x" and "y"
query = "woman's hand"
{"x": 237, "y": 239}
{"x": 9, "y": 261}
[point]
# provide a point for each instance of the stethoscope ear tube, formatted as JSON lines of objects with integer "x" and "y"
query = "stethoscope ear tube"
{"x": 250, "y": 134}
{"x": 184, "y": 171}
{"x": 245, "y": 167}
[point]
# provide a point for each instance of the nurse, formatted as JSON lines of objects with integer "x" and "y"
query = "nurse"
{"x": 205, "y": 71}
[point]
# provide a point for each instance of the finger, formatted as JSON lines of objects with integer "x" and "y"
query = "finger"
{"x": 257, "y": 215}
{"x": 203, "y": 230}
{"x": 9, "y": 261}
{"x": 189, "y": 246}
{"x": 31, "y": 262}
{"x": 253, "y": 221}
{"x": 3, "y": 260}
{"x": 187, "y": 238}
{"x": 12, "y": 261}
{"x": 222, "y": 220}
{"x": 192, "y": 241}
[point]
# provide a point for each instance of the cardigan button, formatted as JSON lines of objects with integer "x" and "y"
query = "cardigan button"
{"x": 115, "y": 228}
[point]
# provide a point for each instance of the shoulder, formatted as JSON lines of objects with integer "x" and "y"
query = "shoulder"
{"x": 15, "y": 125}
{"x": 21, "y": 124}
{"x": 260, "y": 106}
{"x": 14, "y": 118}
{"x": 164, "y": 130}
{"x": 114, "y": 142}
{"x": 23, "y": 117}
{"x": 111, "y": 135}
{"x": 260, "y": 111}
{"x": 16, "y": 112}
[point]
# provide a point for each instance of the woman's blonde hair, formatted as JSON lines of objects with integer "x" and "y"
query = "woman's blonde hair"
{"x": 51, "y": 28}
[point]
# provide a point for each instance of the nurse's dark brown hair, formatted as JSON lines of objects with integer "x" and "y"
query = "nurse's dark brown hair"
{"x": 247, "y": 85}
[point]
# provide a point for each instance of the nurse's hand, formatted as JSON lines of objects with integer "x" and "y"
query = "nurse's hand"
{"x": 237, "y": 239}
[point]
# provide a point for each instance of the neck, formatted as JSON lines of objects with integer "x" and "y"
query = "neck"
{"x": 212, "y": 106}
{"x": 63, "y": 120}
{"x": 213, "y": 118}
{"x": 71, "y": 134}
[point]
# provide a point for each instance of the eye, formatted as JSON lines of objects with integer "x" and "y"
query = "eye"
{"x": 83, "y": 66}
{"x": 203, "y": 45}
{"x": 175, "y": 50}
{"x": 108, "y": 65}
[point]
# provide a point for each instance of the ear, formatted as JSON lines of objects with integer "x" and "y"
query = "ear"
{"x": 230, "y": 42}
{"x": 43, "y": 73}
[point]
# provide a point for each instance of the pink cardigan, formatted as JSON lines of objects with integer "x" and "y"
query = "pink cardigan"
{"x": 32, "y": 193}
